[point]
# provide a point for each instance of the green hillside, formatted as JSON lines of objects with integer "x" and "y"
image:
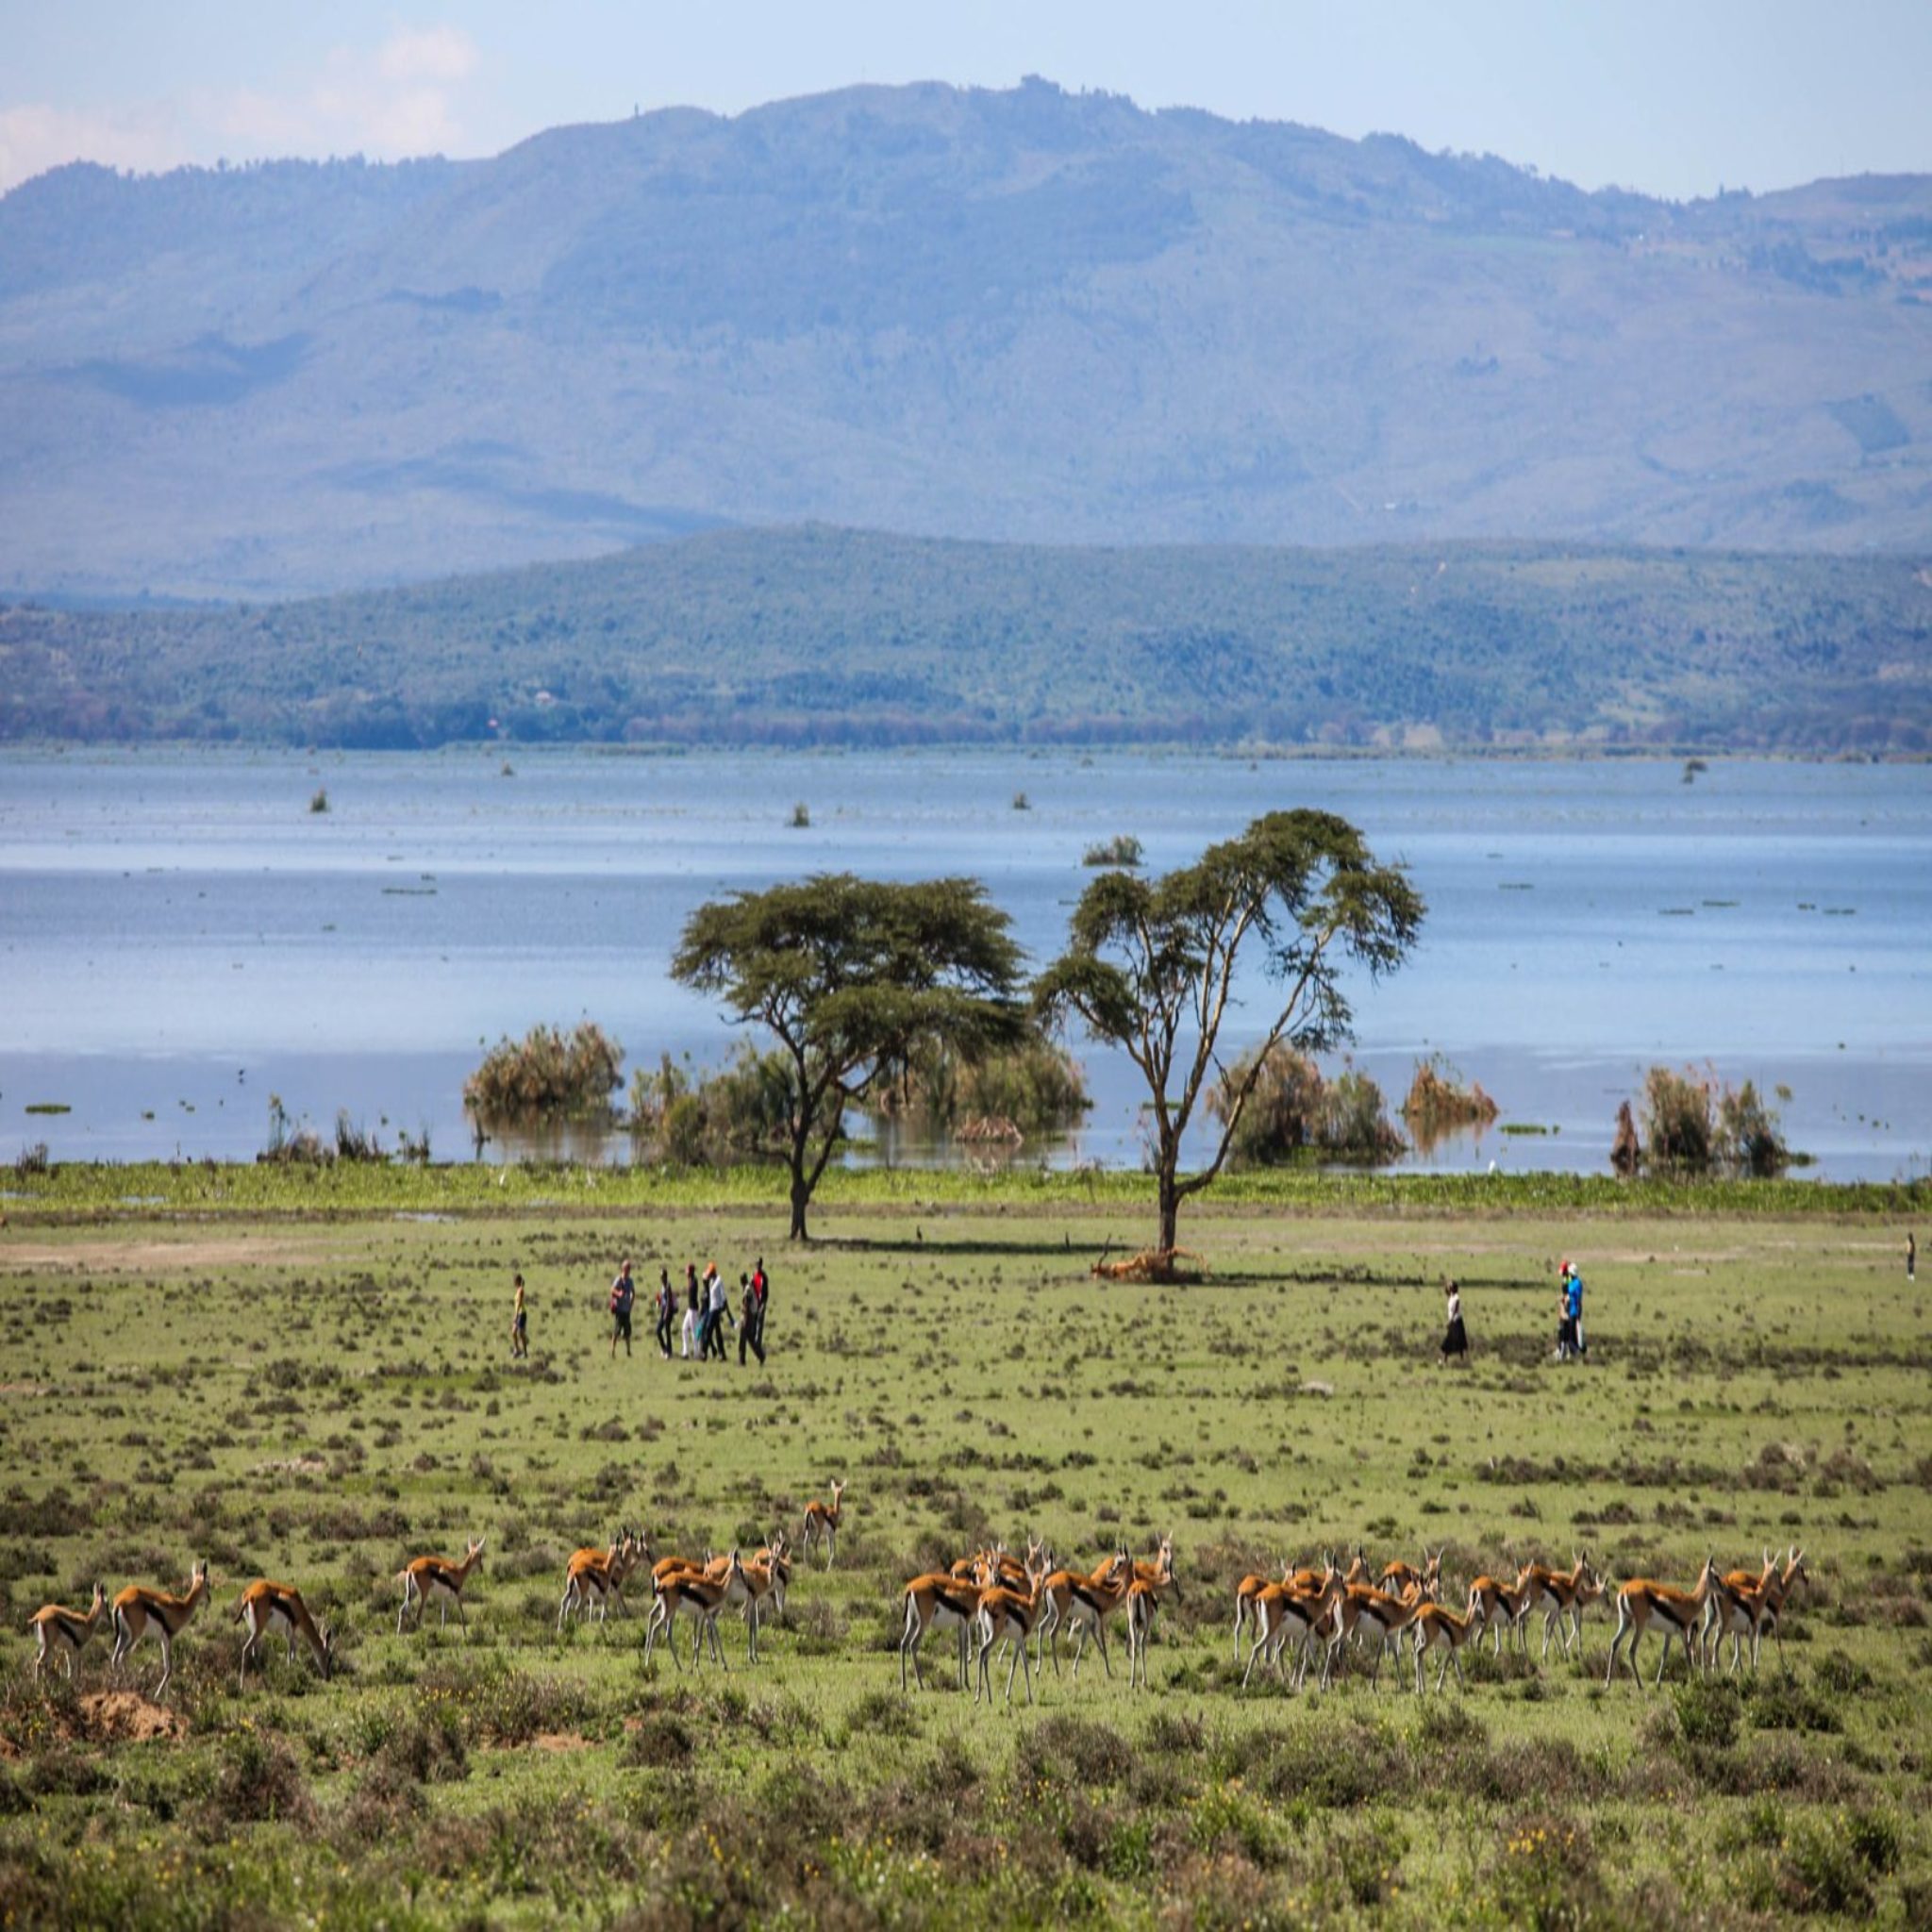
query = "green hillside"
{"x": 821, "y": 636}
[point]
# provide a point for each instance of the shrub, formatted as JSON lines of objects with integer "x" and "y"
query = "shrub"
{"x": 546, "y": 1075}
{"x": 1076, "y": 1750}
{"x": 1293, "y": 1113}
{"x": 32, "y": 1160}
{"x": 1823, "y": 1873}
{"x": 257, "y": 1779}
{"x": 319, "y": 801}
{"x": 1707, "y": 1712}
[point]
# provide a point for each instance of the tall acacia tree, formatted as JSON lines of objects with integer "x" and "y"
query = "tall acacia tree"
{"x": 1151, "y": 965}
{"x": 852, "y": 976}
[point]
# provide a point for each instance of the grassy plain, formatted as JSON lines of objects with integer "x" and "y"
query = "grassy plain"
{"x": 316, "y": 1396}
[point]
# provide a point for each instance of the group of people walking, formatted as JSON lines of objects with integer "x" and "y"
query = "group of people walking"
{"x": 705, "y": 1308}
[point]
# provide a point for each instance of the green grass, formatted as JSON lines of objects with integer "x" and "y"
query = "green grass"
{"x": 284, "y": 1378}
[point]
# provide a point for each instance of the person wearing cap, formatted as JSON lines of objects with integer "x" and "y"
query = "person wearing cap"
{"x": 1569, "y": 1312}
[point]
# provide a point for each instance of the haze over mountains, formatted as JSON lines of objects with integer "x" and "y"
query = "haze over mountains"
{"x": 1023, "y": 315}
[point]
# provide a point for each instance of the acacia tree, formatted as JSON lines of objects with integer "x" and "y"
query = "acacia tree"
{"x": 1151, "y": 966}
{"x": 852, "y": 976}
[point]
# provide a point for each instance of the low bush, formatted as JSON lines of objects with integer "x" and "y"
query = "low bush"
{"x": 257, "y": 1781}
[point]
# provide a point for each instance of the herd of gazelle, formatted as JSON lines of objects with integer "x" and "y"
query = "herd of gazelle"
{"x": 994, "y": 1597}
{"x": 1330, "y": 1606}
{"x": 593, "y": 1579}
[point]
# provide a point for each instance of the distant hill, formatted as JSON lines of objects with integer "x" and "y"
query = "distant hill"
{"x": 820, "y": 636}
{"x": 1025, "y": 315}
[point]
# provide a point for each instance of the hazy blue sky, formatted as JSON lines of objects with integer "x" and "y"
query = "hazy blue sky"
{"x": 1674, "y": 97}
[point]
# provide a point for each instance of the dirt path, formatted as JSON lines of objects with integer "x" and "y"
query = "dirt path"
{"x": 99, "y": 1255}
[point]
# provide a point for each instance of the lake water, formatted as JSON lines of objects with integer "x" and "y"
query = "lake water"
{"x": 180, "y": 936}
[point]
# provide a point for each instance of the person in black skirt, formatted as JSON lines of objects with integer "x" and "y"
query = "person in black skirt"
{"x": 1455, "y": 1337}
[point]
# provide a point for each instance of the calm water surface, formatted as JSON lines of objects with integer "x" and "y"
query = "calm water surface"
{"x": 180, "y": 936}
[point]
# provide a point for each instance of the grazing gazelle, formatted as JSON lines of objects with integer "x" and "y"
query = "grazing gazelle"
{"x": 267, "y": 1607}
{"x": 1397, "y": 1576}
{"x": 764, "y": 1584}
{"x": 1143, "y": 1599}
{"x": 1498, "y": 1606}
{"x": 1747, "y": 1604}
{"x": 1289, "y": 1612}
{"x": 1376, "y": 1615}
{"x": 1004, "y": 1612}
{"x": 822, "y": 1521}
{"x": 699, "y": 1597}
{"x": 1677, "y": 1613}
{"x": 595, "y": 1577}
{"x": 68, "y": 1629}
{"x": 1436, "y": 1625}
{"x": 437, "y": 1577}
{"x": 1245, "y": 1592}
{"x": 936, "y": 1600}
{"x": 1561, "y": 1595}
{"x": 1088, "y": 1604}
{"x": 137, "y": 1612}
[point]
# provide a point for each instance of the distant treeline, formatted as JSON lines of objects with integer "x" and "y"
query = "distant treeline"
{"x": 816, "y": 636}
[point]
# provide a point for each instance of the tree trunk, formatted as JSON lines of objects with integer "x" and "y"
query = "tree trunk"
{"x": 1170, "y": 1198}
{"x": 801, "y": 1188}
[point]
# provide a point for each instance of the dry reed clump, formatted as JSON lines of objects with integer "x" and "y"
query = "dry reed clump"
{"x": 1437, "y": 1102}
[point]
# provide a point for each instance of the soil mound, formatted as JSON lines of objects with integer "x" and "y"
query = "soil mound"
{"x": 125, "y": 1716}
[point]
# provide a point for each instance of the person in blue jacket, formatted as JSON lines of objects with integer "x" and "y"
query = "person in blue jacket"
{"x": 1573, "y": 1309}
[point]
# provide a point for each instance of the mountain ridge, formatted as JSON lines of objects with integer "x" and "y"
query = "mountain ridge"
{"x": 1024, "y": 315}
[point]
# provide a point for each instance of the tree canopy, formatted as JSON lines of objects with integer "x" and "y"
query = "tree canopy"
{"x": 852, "y": 976}
{"x": 1151, "y": 966}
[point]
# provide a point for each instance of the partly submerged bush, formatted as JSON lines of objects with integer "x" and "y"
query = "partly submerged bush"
{"x": 1694, "y": 1125}
{"x": 735, "y": 1112}
{"x": 546, "y": 1073}
{"x": 1294, "y": 1113}
{"x": 1122, "y": 851}
{"x": 1678, "y": 1125}
{"x": 1037, "y": 1087}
